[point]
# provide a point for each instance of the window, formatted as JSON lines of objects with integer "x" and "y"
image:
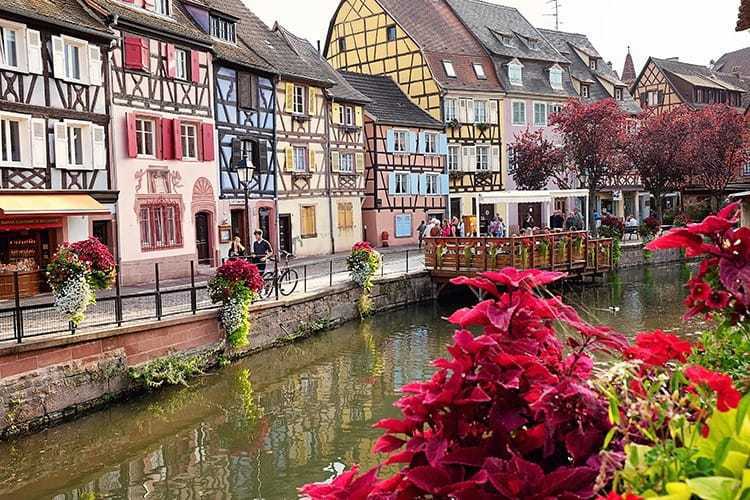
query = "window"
{"x": 75, "y": 146}
{"x": 653, "y": 98}
{"x": 10, "y": 137}
{"x": 161, "y": 7}
{"x": 556, "y": 78}
{"x": 401, "y": 185}
{"x": 390, "y": 33}
{"x": 11, "y": 38}
{"x": 746, "y": 170}
{"x": 188, "y": 135}
{"x": 401, "y": 141}
{"x": 432, "y": 184}
{"x": 519, "y": 113}
{"x": 618, "y": 93}
{"x": 453, "y": 152}
{"x": 299, "y": 100}
{"x": 247, "y": 151}
{"x": 160, "y": 226}
{"x": 479, "y": 71}
{"x": 532, "y": 43}
{"x": 307, "y": 214}
{"x": 346, "y": 116}
{"x": 451, "y": 109}
{"x": 300, "y": 159}
{"x": 342, "y": 44}
{"x": 480, "y": 112}
{"x": 504, "y": 38}
{"x": 72, "y": 61}
{"x": 592, "y": 64}
{"x": 515, "y": 73}
{"x": 553, "y": 108}
{"x": 223, "y": 29}
{"x": 449, "y": 69}
{"x": 585, "y": 91}
{"x": 346, "y": 163}
{"x": 181, "y": 64}
{"x": 346, "y": 216}
{"x": 145, "y": 136}
{"x": 540, "y": 114}
{"x": 430, "y": 143}
{"x": 483, "y": 158}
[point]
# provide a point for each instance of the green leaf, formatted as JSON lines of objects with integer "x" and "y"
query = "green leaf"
{"x": 742, "y": 410}
{"x": 714, "y": 488}
{"x": 608, "y": 438}
{"x": 734, "y": 463}
{"x": 614, "y": 411}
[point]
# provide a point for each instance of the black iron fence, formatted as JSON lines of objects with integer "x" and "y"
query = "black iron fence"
{"x": 34, "y": 317}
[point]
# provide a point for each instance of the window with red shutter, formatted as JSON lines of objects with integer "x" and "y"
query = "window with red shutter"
{"x": 145, "y": 54}
{"x": 167, "y": 139}
{"x": 208, "y": 142}
{"x": 177, "y": 140}
{"x": 195, "y": 69}
{"x": 132, "y": 139}
{"x": 133, "y": 57}
{"x": 171, "y": 63}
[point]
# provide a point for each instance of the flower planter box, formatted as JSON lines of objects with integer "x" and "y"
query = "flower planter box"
{"x": 29, "y": 284}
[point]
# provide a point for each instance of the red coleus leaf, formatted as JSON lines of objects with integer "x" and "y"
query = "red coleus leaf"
{"x": 429, "y": 479}
{"x": 387, "y": 443}
{"x": 394, "y": 425}
{"x": 478, "y": 283}
{"x": 527, "y": 279}
{"x": 680, "y": 238}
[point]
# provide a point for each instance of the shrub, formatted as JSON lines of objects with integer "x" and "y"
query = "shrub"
{"x": 171, "y": 370}
{"x": 236, "y": 286}
{"x": 363, "y": 265}
{"x": 649, "y": 228}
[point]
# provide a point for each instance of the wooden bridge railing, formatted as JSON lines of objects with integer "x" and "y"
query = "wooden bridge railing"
{"x": 575, "y": 252}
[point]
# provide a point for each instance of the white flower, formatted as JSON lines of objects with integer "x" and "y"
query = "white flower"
{"x": 73, "y": 297}
{"x": 234, "y": 314}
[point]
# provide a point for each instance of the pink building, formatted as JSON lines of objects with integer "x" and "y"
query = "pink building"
{"x": 406, "y": 182}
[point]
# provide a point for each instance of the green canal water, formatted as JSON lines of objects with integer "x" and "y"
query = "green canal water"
{"x": 285, "y": 417}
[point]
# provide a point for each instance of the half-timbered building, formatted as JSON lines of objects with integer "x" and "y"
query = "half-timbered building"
{"x": 55, "y": 182}
{"x": 163, "y": 137}
{"x": 450, "y": 77}
{"x": 406, "y": 180}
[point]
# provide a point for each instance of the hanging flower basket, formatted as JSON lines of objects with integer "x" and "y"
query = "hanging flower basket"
{"x": 363, "y": 265}
{"x": 236, "y": 286}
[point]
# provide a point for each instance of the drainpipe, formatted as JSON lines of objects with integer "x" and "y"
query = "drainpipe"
{"x": 328, "y": 174}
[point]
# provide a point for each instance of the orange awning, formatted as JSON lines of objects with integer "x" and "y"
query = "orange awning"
{"x": 49, "y": 204}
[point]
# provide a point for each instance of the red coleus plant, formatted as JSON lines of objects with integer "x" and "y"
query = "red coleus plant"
{"x": 509, "y": 414}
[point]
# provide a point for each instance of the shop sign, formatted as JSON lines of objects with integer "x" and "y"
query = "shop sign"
{"x": 27, "y": 223}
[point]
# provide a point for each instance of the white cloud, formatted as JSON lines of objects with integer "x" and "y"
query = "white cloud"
{"x": 692, "y": 30}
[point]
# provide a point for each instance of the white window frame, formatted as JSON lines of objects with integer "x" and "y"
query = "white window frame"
{"x": 19, "y": 32}
{"x": 454, "y": 158}
{"x": 556, "y": 78}
{"x": 553, "y": 108}
{"x": 400, "y": 146}
{"x": 450, "y": 70}
{"x": 432, "y": 184}
{"x": 298, "y": 100}
{"x": 141, "y": 137}
{"x": 83, "y": 59}
{"x": 451, "y": 109}
{"x": 655, "y": 95}
{"x": 223, "y": 29}
{"x": 515, "y": 73}
{"x": 348, "y": 116}
{"x": 181, "y": 64}
{"x": 483, "y": 116}
{"x": 746, "y": 170}
{"x": 593, "y": 64}
{"x": 430, "y": 143}
{"x": 483, "y": 158}
{"x": 81, "y": 130}
{"x": 544, "y": 115}
{"x": 162, "y": 7}
{"x": 479, "y": 71}
{"x": 513, "y": 112}
{"x": 402, "y": 188}
{"x": 186, "y": 139}
{"x": 24, "y": 124}
{"x": 346, "y": 163}
{"x": 585, "y": 91}
{"x": 619, "y": 94}
{"x": 299, "y": 156}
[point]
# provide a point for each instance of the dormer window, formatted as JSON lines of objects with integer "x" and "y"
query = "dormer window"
{"x": 223, "y": 29}
{"x": 161, "y": 7}
{"x": 449, "y": 69}
{"x": 592, "y": 64}
{"x": 515, "y": 72}
{"x": 585, "y": 91}
{"x": 532, "y": 43}
{"x": 479, "y": 71}
{"x": 618, "y": 93}
{"x": 504, "y": 38}
{"x": 556, "y": 77}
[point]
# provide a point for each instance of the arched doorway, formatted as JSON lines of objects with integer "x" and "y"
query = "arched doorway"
{"x": 203, "y": 237}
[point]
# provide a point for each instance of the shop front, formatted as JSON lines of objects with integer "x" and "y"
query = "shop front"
{"x": 31, "y": 228}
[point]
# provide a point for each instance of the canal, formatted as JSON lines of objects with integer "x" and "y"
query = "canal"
{"x": 285, "y": 417}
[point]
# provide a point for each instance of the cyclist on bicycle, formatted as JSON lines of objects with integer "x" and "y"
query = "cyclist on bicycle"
{"x": 262, "y": 251}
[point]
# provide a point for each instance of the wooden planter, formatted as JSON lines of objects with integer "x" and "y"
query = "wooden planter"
{"x": 29, "y": 284}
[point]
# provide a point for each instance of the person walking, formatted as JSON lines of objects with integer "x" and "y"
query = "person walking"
{"x": 236, "y": 248}
{"x": 421, "y": 232}
{"x": 501, "y": 229}
{"x": 262, "y": 251}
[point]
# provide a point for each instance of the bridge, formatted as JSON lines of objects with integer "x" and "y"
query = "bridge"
{"x": 573, "y": 252}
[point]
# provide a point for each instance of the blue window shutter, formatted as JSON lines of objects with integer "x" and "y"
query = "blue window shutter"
{"x": 414, "y": 183}
{"x": 423, "y": 184}
{"x": 443, "y": 144}
{"x": 422, "y": 142}
{"x": 392, "y": 183}
{"x": 412, "y": 142}
{"x": 390, "y": 141}
{"x": 444, "y": 189}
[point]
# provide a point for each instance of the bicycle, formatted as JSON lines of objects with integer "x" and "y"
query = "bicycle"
{"x": 285, "y": 278}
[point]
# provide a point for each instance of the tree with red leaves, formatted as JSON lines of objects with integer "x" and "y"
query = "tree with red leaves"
{"x": 536, "y": 161}
{"x": 594, "y": 139}
{"x": 659, "y": 151}
{"x": 720, "y": 146}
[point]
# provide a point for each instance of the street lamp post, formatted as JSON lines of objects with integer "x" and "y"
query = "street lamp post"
{"x": 243, "y": 171}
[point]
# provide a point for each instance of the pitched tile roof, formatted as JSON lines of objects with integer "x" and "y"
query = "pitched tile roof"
{"x": 429, "y": 22}
{"x": 389, "y": 104}
{"x": 341, "y": 89}
{"x": 568, "y": 44}
{"x": 628, "y": 70}
{"x": 734, "y": 62}
{"x": 68, "y": 13}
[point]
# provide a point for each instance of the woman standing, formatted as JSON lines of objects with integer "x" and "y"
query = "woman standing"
{"x": 236, "y": 248}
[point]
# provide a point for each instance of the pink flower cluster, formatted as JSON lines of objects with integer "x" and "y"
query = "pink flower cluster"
{"x": 241, "y": 271}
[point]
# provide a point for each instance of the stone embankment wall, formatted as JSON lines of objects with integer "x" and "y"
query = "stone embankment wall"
{"x": 634, "y": 255}
{"x": 51, "y": 380}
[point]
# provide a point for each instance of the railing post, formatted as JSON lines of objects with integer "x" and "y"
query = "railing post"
{"x": 532, "y": 258}
{"x": 330, "y": 272}
{"x": 596, "y": 256}
{"x": 304, "y": 274}
{"x": 157, "y": 295}
{"x": 570, "y": 252}
{"x": 484, "y": 251}
{"x": 193, "y": 291}
{"x": 276, "y": 284}
{"x": 552, "y": 252}
{"x": 458, "y": 255}
{"x": 512, "y": 251}
{"x": 18, "y": 314}
{"x": 118, "y": 297}
{"x": 407, "y": 261}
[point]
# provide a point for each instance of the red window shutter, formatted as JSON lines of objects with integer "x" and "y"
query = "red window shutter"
{"x": 145, "y": 54}
{"x": 130, "y": 131}
{"x": 195, "y": 69}
{"x": 171, "y": 64}
{"x": 167, "y": 139}
{"x": 158, "y": 139}
{"x": 208, "y": 142}
{"x": 177, "y": 139}
{"x": 133, "y": 58}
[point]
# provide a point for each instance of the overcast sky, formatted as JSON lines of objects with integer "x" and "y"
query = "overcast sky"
{"x": 661, "y": 28}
